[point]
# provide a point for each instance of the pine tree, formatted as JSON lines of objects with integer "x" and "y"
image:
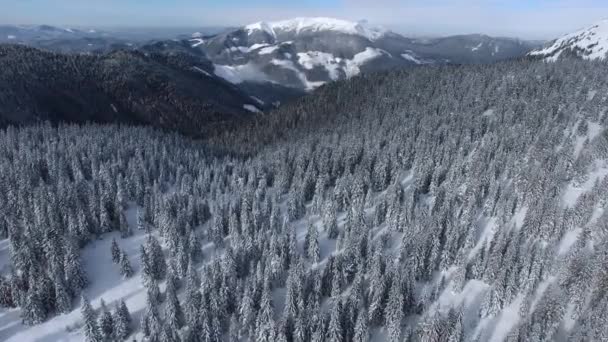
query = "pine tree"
{"x": 90, "y": 327}
{"x": 122, "y": 321}
{"x": 312, "y": 238}
{"x": 116, "y": 252}
{"x": 335, "y": 332}
{"x": 63, "y": 300}
{"x": 174, "y": 317}
{"x": 106, "y": 323}
{"x": 125, "y": 266}
{"x": 361, "y": 327}
{"x": 33, "y": 310}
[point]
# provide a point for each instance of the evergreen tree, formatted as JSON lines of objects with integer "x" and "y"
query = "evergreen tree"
{"x": 90, "y": 328}
{"x": 116, "y": 252}
{"x": 106, "y": 323}
{"x": 125, "y": 266}
{"x": 122, "y": 321}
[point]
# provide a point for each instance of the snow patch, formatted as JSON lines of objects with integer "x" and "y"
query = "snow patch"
{"x": 409, "y": 56}
{"x": 201, "y": 71}
{"x": 268, "y": 50}
{"x": 309, "y": 60}
{"x": 251, "y": 108}
{"x": 353, "y": 66}
{"x": 240, "y": 73}
{"x": 475, "y": 48}
{"x": 568, "y": 241}
{"x": 290, "y": 66}
{"x": 574, "y": 191}
{"x": 11, "y": 37}
{"x": 197, "y": 42}
{"x": 508, "y": 319}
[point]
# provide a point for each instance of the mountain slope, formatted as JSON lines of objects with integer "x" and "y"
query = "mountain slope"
{"x": 305, "y": 53}
{"x": 447, "y": 203}
{"x": 169, "y": 91}
{"x": 590, "y": 43}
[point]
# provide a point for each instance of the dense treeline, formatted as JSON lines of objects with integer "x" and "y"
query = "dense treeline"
{"x": 369, "y": 210}
{"x": 175, "y": 91}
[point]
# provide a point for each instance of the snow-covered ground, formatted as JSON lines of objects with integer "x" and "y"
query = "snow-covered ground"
{"x": 105, "y": 282}
{"x": 593, "y": 41}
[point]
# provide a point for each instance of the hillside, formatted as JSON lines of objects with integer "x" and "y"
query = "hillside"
{"x": 305, "y": 53}
{"x": 164, "y": 90}
{"x": 590, "y": 43}
{"x": 452, "y": 203}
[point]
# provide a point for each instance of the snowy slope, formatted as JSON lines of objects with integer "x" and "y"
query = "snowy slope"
{"x": 589, "y": 43}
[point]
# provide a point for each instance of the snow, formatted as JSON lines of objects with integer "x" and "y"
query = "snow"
{"x": 240, "y": 73}
{"x": 489, "y": 112}
{"x": 353, "y": 66}
{"x": 475, "y": 48}
{"x": 594, "y": 129}
{"x": 593, "y": 41}
{"x": 197, "y": 35}
{"x": 472, "y": 291}
{"x": 488, "y": 230}
{"x": 260, "y": 102}
{"x": 251, "y": 108}
{"x": 261, "y": 26}
{"x": 114, "y": 108}
{"x": 105, "y": 282}
{"x": 573, "y": 191}
{"x": 319, "y": 24}
{"x": 268, "y": 50}
{"x": 11, "y": 37}
{"x": 201, "y": 71}
{"x": 290, "y": 66}
{"x": 309, "y": 60}
{"x": 246, "y": 49}
{"x": 409, "y": 55}
{"x": 568, "y": 241}
{"x": 507, "y": 320}
{"x": 197, "y": 41}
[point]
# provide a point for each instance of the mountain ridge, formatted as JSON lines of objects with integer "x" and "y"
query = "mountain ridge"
{"x": 588, "y": 43}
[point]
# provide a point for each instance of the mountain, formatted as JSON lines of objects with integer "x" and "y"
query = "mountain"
{"x": 590, "y": 43}
{"x": 305, "y": 53}
{"x": 169, "y": 91}
{"x": 473, "y": 48}
{"x": 93, "y": 40}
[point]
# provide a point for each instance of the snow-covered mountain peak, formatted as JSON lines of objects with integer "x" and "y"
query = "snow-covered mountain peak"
{"x": 318, "y": 24}
{"x": 590, "y": 43}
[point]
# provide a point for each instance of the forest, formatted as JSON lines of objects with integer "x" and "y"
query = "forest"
{"x": 450, "y": 203}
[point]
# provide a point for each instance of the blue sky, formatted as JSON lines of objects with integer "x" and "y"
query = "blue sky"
{"x": 523, "y": 18}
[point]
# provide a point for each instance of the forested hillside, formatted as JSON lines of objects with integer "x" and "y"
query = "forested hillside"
{"x": 175, "y": 91}
{"x": 432, "y": 204}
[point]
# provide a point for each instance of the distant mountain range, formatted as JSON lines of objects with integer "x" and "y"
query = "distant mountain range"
{"x": 590, "y": 43}
{"x": 92, "y": 40}
{"x": 305, "y": 53}
{"x": 187, "y": 81}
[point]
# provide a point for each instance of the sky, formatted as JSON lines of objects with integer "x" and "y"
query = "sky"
{"x": 529, "y": 19}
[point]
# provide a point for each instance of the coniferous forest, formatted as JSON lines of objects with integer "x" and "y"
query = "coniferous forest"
{"x": 452, "y": 204}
